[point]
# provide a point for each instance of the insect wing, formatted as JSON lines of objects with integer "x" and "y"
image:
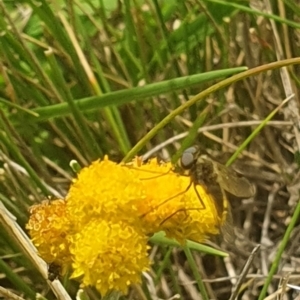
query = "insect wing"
{"x": 224, "y": 212}
{"x": 217, "y": 195}
{"x": 232, "y": 183}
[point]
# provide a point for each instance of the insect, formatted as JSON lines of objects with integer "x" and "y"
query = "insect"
{"x": 53, "y": 271}
{"x": 216, "y": 179}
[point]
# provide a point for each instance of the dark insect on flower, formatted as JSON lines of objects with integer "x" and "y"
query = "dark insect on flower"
{"x": 216, "y": 179}
{"x": 53, "y": 271}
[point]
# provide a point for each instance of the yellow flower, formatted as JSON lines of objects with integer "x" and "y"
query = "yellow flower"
{"x": 109, "y": 256}
{"x": 110, "y": 210}
{"x": 49, "y": 227}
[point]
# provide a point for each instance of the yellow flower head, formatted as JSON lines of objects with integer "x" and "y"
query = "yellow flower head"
{"x": 109, "y": 256}
{"x": 49, "y": 227}
{"x": 110, "y": 210}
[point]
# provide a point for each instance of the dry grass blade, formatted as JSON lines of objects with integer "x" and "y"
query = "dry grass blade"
{"x": 9, "y": 295}
{"x": 244, "y": 273}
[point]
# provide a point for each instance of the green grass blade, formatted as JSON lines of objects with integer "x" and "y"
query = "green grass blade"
{"x": 196, "y": 273}
{"x": 16, "y": 280}
{"x": 256, "y": 131}
{"x": 160, "y": 239}
{"x": 134, "y": 94}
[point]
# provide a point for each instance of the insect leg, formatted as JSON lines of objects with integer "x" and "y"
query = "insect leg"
{"x": 199, "y": 197}
{"x": 177, "y": 211}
